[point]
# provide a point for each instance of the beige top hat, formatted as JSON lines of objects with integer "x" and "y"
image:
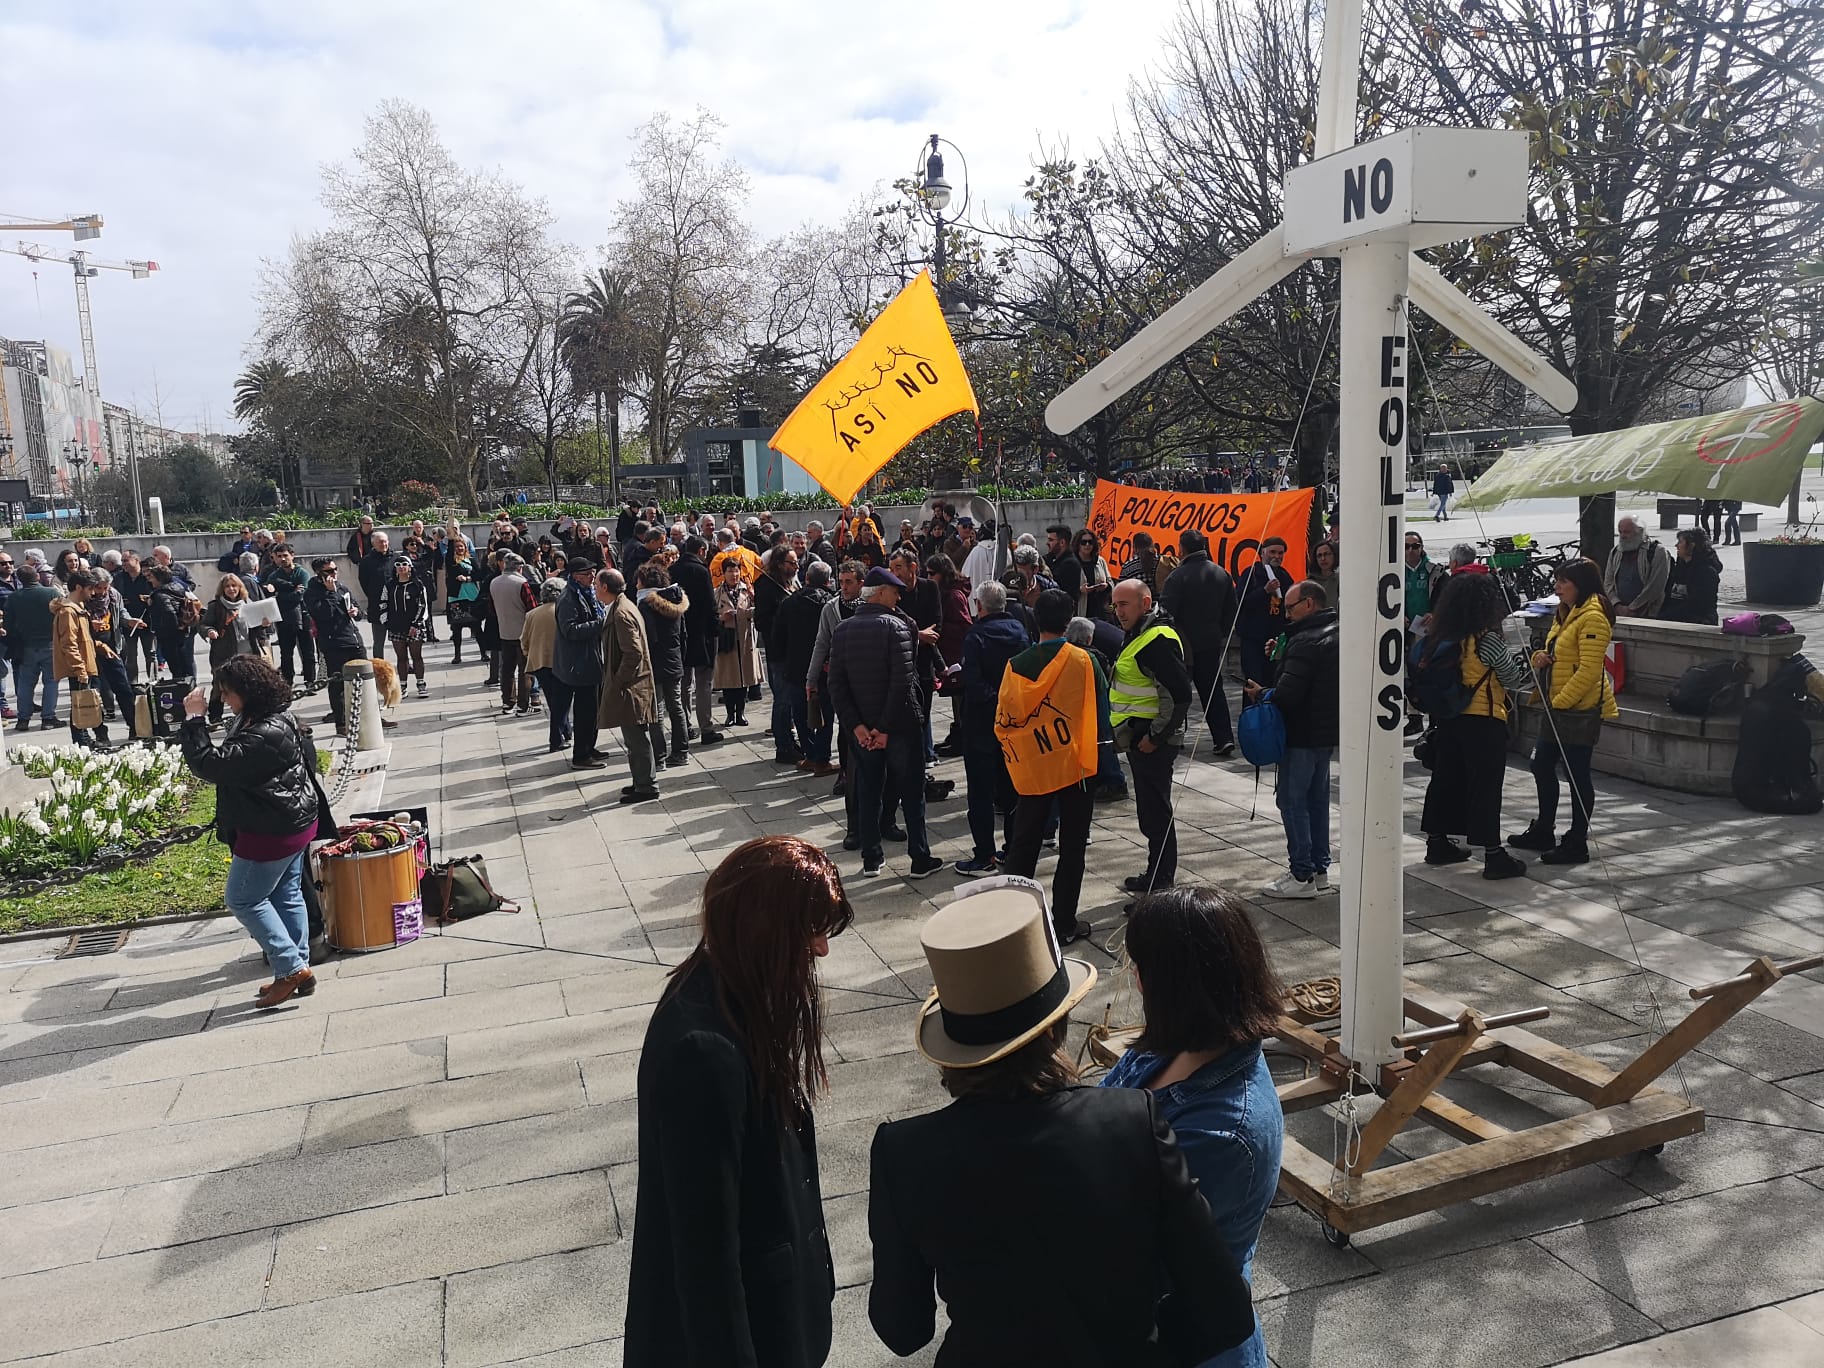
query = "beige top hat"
{"x": 1000, "y": 977}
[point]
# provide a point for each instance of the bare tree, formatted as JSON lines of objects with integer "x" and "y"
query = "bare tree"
{"x": 420, "y": 289}
{"x": 1675, "y": 169}
{"x": 549, "y": 403}
{"x": 684, "y": 245}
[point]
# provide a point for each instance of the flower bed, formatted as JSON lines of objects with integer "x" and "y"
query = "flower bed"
{"x": 97, "y": 802}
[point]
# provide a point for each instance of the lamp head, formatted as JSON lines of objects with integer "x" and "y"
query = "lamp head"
{"x": 936, "y": 188}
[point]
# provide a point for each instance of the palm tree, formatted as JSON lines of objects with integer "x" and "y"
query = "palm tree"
{"x": 597, "y": 335}
{"x": 262, "y": 393}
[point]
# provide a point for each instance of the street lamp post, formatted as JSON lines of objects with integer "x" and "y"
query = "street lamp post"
{"x": 935, "y": 196}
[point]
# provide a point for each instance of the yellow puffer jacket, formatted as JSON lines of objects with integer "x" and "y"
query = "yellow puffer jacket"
{"x": 1488, "y": 696}
{"x": 1577, "y": 643}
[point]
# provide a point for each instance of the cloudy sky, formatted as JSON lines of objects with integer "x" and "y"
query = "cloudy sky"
{"x": 197, "y": 128}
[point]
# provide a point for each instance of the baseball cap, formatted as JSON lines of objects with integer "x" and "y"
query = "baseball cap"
{"x": 965, "y": 521}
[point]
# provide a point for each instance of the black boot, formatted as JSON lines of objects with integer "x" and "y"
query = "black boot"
{"x": 1498, "y": 864}
{"x": 1441, "y": 850}
{"x": 1537, "y": 836}
{"x": 1573, "y": 849}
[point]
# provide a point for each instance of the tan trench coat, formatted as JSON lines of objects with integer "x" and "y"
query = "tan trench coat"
{"x": 739, "y": 668}
{"x": 628, "y": 696}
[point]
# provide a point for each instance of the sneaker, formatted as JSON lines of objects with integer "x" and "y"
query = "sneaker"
{"x": 1050, "y": 842}
{"x": 870, "y": 869}
{"x": 1498, "y": 864}
{"x": 1286, "y": 886}
{"x": 1225, "y": 750}
{"x": 507, "y": 710}
{"x": 8, "y": 714}
{"x": 1571, "y": 850}
{"x": 424, "y": 690}
{"x": 677, "y": 761}
{"x": 973, "y": 867}
{"x": 1535, "y": 837}
{"x": 929, "y": 864}
{"x": 892, "y": 833}
{"x": 51, "y": 722}
{"x": 1323, "y": 880}
{"x": 1441, "y": 850}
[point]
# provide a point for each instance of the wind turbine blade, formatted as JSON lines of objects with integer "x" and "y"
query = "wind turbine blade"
{"x": 1458, "y": 312}
{"x": 1249, "y": 275}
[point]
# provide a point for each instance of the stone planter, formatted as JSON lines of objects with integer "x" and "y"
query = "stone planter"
{"x": 1783, "y": 574}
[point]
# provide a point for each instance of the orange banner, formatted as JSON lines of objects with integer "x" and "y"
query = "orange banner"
{"x": 1236, "y": 524}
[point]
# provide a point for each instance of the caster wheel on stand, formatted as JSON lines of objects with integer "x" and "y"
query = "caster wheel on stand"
{"x": 1336, "y": 1239}
{"x": 1651, "y": 1150}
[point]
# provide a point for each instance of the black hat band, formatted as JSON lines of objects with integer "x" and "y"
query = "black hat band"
{"x": 991, "y": 1028}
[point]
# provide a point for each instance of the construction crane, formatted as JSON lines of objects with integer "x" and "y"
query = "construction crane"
{"x": 85, "y": 266}
{"x": 83, "y": 227}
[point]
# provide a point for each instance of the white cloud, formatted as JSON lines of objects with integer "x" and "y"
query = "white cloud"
{"x": 197, "y": 128}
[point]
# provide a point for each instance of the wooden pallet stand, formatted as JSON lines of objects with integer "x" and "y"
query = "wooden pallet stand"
{"x": 1626, "y": 1113}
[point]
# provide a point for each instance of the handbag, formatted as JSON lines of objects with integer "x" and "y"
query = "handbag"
{"x": 1576, "y": 726}
{"x": 461, "y": 613}
{"x": 327, "y": 828}
{"x": 726, "y": 641}
{"x": 459, "y": 889}
{"x": 85, "y": 709}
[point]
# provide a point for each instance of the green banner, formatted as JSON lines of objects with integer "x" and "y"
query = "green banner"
{"x": 1749, "y": 454}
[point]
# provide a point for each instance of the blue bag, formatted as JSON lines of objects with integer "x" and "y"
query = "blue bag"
{"x": 1260, "y": 731}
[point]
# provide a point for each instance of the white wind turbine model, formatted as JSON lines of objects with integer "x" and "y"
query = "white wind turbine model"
{"x": 1372, "y": 205}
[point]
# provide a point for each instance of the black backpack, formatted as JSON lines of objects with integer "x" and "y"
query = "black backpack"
{"x": 1434, "y": 679}
{"x": 1774, "y": 771}
{"x": 1712, "y": 687}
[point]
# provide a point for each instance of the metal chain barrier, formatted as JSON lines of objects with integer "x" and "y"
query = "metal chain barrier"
{"x": 112, "y": 857}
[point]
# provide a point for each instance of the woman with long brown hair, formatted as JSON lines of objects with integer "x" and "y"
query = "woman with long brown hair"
{"x": 730, "y": 1260}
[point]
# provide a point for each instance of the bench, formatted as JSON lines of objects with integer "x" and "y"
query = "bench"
{"x": 1671, "y": 510}
{"x": 1651, "y": 743}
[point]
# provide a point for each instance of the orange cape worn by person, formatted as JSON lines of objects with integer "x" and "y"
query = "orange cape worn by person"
{"x": 1047, "y": 726}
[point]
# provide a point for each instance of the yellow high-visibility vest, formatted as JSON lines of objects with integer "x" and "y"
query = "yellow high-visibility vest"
{"x": 1132, "y": 692}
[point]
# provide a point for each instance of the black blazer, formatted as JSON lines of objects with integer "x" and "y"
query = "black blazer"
{"x": 1006, "y": 1203}
{"x": 731, "y": 1265}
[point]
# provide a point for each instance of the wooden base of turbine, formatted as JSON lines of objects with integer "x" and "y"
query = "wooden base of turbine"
{"x": 1625, "y": 1115}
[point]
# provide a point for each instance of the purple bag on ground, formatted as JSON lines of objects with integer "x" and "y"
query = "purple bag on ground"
{"x": 1757, "y": 624}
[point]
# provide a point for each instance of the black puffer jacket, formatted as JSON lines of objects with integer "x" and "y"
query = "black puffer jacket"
{"x": 1307, "y": 688}
{"x": 795, "y": 632}
{"x": 258, "y": 769}
{"x": 662, "y": 611}
{"x": 872, "y": 679}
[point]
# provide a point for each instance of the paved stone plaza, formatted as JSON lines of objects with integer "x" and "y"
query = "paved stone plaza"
{"x": 433, "y": 1161}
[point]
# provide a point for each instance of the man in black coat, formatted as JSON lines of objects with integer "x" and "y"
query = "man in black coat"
{"x": 702, "y": 626}
{"x": 794, "y": 639}
{"x": 874, "y": 685}
{"x": 1307, "y": 695}
{"x": 374, "y": 572}
{"x": 333, "y": 613}
{"x": 576, "y": 658}
{"x": 1200, "y": 597}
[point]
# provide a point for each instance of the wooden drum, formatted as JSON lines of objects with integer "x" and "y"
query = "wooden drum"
{"x": 359, "y": 892}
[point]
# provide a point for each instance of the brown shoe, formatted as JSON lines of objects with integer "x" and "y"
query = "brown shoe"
{"x": 823, "y": 769}
{"x": 279, "y": 990}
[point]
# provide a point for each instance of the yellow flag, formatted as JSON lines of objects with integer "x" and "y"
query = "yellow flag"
{"x": 903, "y": 376}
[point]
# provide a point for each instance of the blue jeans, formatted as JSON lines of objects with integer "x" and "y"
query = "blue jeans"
{"x": 991, "y": 795}
{"x": 814, "y": 743}
{"x": 901, "y": 765}
{"x": 35, "y": 664}
{"x": 267, "y": 897}
{"x": 783, "y": 711}
{"x": 1303, "y": 791}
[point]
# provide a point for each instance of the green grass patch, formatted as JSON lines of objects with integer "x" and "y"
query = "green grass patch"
{"x": 184, "y": 879}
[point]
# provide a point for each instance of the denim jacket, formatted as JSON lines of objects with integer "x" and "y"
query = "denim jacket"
{"x": 1229, "y": 1125}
